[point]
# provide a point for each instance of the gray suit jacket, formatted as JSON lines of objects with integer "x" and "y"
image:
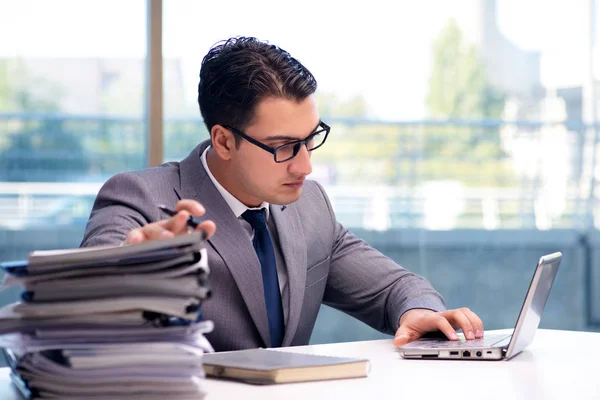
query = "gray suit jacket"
{"x": 325, "y": 263}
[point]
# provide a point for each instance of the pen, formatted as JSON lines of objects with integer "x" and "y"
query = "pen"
{"x": 191, "y": 222}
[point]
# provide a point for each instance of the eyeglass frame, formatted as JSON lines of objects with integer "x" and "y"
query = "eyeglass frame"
{"x": 273, "y": 150}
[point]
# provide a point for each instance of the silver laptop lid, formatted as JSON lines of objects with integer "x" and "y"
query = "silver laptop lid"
{"x": 535, "y": 301}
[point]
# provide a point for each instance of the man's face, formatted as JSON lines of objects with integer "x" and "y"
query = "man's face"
{"x": 277, "y": 121}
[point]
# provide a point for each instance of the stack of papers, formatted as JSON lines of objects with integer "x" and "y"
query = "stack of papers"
{"x": 109, "y": 322}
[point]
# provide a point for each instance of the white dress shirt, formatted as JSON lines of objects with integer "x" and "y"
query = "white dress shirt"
{"x": 238, "y": 209}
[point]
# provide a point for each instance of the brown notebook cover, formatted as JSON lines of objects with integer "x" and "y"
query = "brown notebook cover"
{"x": 261, "y": 366}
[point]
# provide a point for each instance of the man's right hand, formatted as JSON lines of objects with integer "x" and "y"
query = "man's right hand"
{"x": 176, "y": 225}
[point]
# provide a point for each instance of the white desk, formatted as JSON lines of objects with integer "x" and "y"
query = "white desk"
{"x": 558, "y": 365}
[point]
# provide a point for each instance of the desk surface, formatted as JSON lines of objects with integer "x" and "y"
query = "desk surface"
{"x": 558, "y": 365}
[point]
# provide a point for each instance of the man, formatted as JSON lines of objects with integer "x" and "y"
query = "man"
{"x": 275, "y": 249}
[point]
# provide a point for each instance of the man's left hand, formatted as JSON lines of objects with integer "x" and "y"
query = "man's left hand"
{"x": 417, "y": 322}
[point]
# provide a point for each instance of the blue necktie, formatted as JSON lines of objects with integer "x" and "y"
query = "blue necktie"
{"x": 266, "y": 255}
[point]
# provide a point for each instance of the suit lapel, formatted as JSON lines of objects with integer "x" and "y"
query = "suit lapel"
{"x": 230, "y": 240}
{"x": 293, "y": 247}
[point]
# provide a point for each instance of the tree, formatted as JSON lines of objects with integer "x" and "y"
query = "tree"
{"x": 43, "y": 149}
{"x": 458, "y": 85}
{"x": 355, "y": 151}
{"x": 5, "y": 88}
{"x": 44, "y": 152}
{"x": 459, "y": 88}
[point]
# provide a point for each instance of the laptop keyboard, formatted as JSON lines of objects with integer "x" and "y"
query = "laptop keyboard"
{"x": 485, "y": 341}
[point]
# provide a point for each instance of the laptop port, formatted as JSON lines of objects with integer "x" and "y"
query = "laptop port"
{"x": 466, "y": 353}
{"x": 478, "y": 354}
{"x": 454, "y": 353}
{"x": 429, "y": 356}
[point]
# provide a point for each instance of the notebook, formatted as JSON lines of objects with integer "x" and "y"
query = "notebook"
{"x": 262, "y": 366}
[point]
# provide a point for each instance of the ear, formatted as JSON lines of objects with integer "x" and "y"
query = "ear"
{"x": 222, "y": 141}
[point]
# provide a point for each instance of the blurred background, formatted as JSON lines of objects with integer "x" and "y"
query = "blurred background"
{"x": 464, "y": 140}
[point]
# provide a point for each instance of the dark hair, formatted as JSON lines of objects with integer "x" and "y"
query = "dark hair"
{"x": 238, "y": 73}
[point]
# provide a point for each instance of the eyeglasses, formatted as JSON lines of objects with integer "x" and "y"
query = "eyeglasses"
{"x": 289, "y": 150}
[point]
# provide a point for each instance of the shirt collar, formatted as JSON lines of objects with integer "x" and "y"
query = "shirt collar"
{"x": 236, "y": 206}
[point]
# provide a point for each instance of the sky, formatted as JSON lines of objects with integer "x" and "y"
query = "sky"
{"x": 380, "y": 49}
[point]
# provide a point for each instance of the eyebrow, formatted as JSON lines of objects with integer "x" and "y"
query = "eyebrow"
{"x": 291, "y": 138}
{"x": 281, "y": 137}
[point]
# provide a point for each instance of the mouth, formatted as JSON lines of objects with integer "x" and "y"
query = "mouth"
{"x": 295, "y": 185}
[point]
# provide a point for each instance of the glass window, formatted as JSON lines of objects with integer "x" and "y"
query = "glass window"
{"x": 456, "y": 126}
{"x": 72, "y": 82}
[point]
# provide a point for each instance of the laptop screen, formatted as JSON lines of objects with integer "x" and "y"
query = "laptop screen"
{"x": 535, "y": 301}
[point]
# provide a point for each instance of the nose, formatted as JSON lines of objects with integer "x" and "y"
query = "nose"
{"x": 300, "y": 165}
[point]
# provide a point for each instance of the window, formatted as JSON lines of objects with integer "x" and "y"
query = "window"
{"x": 458, "y": 137}
{"x": 72, "y": 84}
{"x": 468, "y": 118}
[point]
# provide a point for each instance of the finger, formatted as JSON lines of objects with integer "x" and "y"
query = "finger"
{"x": 476, "y": 322}
{"x": 192, "y": 206}
{"x": 444, "y": 326}
{"x": 208, "y": 227}
{"x": 438, "y": 322}
{"x": 459, "y": 317}
{"x": 429, "y": 323}
{"x": 135, "y": 236}
{"x": 177, "y": 224}
{"x": 401, "y": 340}
{"x": 156, "y": 231}
{"x": 405, "y": 335}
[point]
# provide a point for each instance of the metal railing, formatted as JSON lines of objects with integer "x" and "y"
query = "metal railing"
{"x": 487, "y": 174}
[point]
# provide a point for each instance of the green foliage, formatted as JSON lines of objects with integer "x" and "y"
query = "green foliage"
{"x": 181, "y": 137}
{"x": 458, "y": 85}
{"x": 459, "y": 88}
{"x": 361, "y": 153}
{"x": 44, "y": 152}
{"x": 20, "y": 91}
{"x": 408, "y": 155}
{"x": 396, "y": 155}
{"x": 36, "y": 150}
{"x": 5, "y": 89}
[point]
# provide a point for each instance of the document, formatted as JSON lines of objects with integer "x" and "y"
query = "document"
{"x": 109, "y": 322}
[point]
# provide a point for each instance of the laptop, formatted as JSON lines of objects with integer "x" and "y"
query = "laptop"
{"x": 495, "y": 346}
